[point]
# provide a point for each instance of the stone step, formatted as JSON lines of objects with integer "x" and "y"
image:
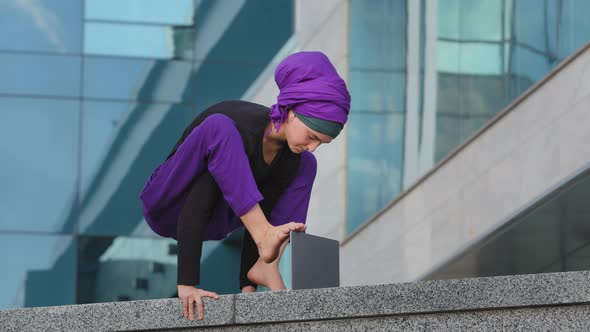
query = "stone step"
{"x": 553, "y": 301}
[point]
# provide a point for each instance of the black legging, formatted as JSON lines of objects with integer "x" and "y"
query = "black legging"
{"x": 197, "y": 212}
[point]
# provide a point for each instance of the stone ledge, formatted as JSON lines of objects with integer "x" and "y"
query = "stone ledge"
{"x": 369, "y": 303}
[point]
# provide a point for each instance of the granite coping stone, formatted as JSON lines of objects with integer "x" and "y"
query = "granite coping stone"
{"x": 422, "y": 297}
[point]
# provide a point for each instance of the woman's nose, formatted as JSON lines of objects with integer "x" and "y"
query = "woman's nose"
{"x": 311, "y": 147}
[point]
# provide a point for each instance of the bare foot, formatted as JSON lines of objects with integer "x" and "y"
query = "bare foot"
{"x": 274, "y": 236}
{"x": 267, "y": 275}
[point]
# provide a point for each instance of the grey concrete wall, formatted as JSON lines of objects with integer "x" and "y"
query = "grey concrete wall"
{"x": 558, "y": 301}
{"x": 528, "y": 149}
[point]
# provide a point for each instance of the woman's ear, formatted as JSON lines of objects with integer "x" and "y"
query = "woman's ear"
{"x": 290, "y": 115}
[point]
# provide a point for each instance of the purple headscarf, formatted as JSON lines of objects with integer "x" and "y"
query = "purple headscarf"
{"x": 309, "y": 84}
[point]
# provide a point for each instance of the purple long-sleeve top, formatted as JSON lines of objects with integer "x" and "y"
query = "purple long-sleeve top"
{"x": 226, "y": 140}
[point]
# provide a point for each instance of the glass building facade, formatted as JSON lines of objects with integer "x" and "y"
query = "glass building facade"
{"x": 93, "y": 95}
{"x": 426, "y": 75}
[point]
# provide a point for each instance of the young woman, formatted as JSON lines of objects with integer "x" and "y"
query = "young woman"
{"x": 239, "y": 163}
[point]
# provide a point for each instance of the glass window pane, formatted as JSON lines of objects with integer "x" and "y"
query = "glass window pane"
{"x": 122, "y": 144}
{"x": 448, "y": 132}
{"x": 481, "y": 20}
{"x": 39, "y": 144}
{"x": 243, "y": 31}
{"x": 575, "y": 27}
{"x": 377, "y": 91}
{"x": 378, "y": 33}
{"x": 40, "y": 74}
{"x": 213, "y": 83}
{"x": 481, "y": 59}
{"x": 482, "y": 96}
{"x": 374, "y": 164}
{"x": 134, "y": 40}
{"x": 529, "y": 65}
{"x": 114, "y": 269}
{"x": 47, "y": 26}
{"x": 531, "y": 24}
{"x": 448, "y": 19}
{"x": 447, "y": 56}
{"x": 43, "y": 273}
{"x": 134, "y": 79}
{"x": 177, "y": 12}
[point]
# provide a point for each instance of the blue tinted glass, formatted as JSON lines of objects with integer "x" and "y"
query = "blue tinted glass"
{"x": 575, "y": 26}
{"x": 448, "y": 132}
{"x": 378, "y": 34}
{"x": 377, "y": 91}
{"x": 114, "y": 269}
{"x": 448, "y": 19}
{"x": 243, "y": 31}
{"x": 480, "y": 20}
{"x": 481, "y": 59}
{"x": 39, "y": 74}
{"x": 529, "y": 65}
{"x": 42, "y": 272}
{"x": 177, "y": 12}
{"x": 133, "y": 79}
{"x": 531, "y": 23}
{"x": 137, "y": 40}
{"x": 48, "y": 26}
{"x": 122, "y": 144}
{"x": 39, "y": 144}
{"x": 482, "y": 96}
{"x": 374, "y": 164}
{"x": 212, "y": 83}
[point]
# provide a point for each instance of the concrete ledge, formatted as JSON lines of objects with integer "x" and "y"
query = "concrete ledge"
{"x": 481, "y": 303}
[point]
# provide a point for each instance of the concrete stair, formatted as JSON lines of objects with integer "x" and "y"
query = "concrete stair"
{"x": 538, "y": 302}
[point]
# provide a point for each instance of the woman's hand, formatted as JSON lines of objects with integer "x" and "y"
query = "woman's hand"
{"x": 191, "y": 295}
{"x": 248, "y": 289}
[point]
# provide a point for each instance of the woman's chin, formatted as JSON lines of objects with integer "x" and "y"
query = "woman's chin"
{"x": 295, "y": 150}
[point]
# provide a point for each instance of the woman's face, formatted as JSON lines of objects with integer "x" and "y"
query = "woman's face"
{"x": 300, "y": 137}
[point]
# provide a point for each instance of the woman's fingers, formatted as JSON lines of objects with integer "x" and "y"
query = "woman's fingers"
{"x": 195, "y": 297}
{"x": 200, "y": 308}
{"x": 191, "y": 309}
{"x": 184, "y": 308}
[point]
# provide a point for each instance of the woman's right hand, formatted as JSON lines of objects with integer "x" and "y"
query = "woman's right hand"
{"x": 191, "y": 295}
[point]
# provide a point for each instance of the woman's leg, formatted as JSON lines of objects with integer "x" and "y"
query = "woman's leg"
{"x": 197, "y": 211}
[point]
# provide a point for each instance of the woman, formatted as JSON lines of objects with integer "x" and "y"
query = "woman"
{"x": 239, "y": 163}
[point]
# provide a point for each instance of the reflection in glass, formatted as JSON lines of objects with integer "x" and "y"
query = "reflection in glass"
{"x": 114, "y": 269}
{"x": 553, "y": 235}
{"x": 46, "y": 26}
{"x": 151, "y": 41}
{"x": 39, "y": 145}
{"x": 40, "y": 272}
{"x": 378, "y": 91}
{"x": 30, "y": 74}
{"x": 213, "y": 83}
{"x": 248, "y": 32}
{"x": 177, "y": 12}
{"x": 135, "y": 79}
{"x": 374, "y": 163}
{"x": 122, "y": 144}
{"x": 378, "y": 33}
